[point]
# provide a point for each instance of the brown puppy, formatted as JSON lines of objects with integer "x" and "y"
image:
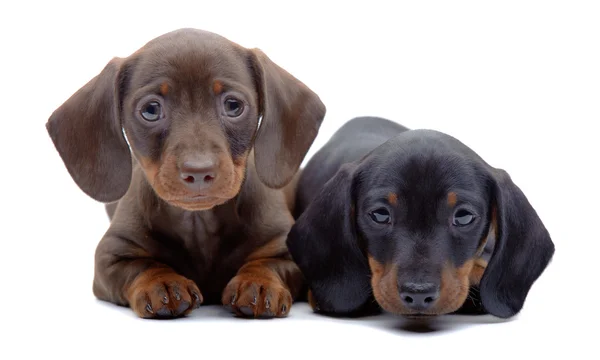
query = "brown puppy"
{"x": 200, "y": 216}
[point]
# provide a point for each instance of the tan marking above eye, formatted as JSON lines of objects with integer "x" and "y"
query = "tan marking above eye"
{"x": 217, "y": 87}
{"x": 164, "y": 88}
{"x": 393, "y": 198}
{"x": 452, "y": 199}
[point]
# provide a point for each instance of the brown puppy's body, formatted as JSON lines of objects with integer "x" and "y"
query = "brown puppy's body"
{"x": 201, "y": 214}
{"x": 208, "y": 247}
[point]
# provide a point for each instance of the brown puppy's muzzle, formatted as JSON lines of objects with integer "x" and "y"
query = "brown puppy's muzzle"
{"x": 196, "y": 176}
{"x": 439, "y": 296}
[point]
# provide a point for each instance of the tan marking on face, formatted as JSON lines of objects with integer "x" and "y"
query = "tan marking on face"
{"x": 217, "y": 87}
{"x": 150, "y": 168}
{"x": 481, "y": 264}
{"x": 164, "y": 89}
{"x": 477, "y": 272}
{"x": 491, "y": 234}
{"x": 165, "y": 180}
{"x": 393, "y": 198}
{"x": 452, "y": 199}
{"x": 384, "y": 282}
{"x": 454, "y": 288}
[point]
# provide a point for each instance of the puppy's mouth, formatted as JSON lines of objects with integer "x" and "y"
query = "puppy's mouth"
{"x": 192, "y": 198}
{"x": 194, "y": 192}
{"x": 419, "y": 316}
{"x": 197, "y": 202}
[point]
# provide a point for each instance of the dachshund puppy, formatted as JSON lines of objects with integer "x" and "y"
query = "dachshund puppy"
{"x": 413, "y": 222}
{"x": 170, "y": 139}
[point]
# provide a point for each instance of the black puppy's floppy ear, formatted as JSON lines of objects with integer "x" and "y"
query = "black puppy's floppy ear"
{"x": 86, "y": 131}
{"x": 291, "y": 117}
{"x": 324, "y": 244}
{"x": 522, "y": 251}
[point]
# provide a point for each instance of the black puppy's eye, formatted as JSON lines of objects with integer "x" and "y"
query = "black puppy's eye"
{"x": 233, "y": 107}
{"x": 380, "y": 216}
{"x": 462, "y": 218}
{"x": 151, "y": 111}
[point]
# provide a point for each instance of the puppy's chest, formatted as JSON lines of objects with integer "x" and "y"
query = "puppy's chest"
{"x": 206, "y": 247}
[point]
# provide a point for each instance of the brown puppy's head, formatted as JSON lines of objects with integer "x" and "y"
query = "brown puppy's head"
{"x": 416, "y": 225}
{"x": 189, "y": 104}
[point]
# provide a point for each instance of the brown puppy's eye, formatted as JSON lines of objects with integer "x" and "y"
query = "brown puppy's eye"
{"x": 380, "y": 216}
{"x": 151, "y": 111}
{"x": 233, "y": 107}
{"x": 462, "y": 218}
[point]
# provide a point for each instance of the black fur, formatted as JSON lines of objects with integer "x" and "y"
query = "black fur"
{"x": 354, "y": 173}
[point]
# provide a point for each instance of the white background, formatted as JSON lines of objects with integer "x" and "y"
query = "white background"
{"x": 518, "y": 81}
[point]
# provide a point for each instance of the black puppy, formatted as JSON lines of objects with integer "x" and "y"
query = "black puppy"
{"x": 413, "y": 221}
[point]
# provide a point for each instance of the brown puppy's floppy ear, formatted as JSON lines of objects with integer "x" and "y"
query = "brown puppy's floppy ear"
{"x": 324, "y": 244}
{"x": 291, "y": 117}
{"x": 86, "y": 131}
{"x": 522, "y": 251}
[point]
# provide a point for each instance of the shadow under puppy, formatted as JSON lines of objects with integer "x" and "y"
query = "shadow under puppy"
{"x": 201, "y": 212}
{"x": 414, "y": 222}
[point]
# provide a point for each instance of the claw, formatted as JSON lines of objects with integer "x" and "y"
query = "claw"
{"x": 149, "y": 308}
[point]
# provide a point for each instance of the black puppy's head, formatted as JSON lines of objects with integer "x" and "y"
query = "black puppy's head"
{"x": 415, "y": 224}
{"x": 189, "y": 103}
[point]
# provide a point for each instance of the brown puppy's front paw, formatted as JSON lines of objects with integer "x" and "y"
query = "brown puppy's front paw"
{"x": 163, "y": 294}
{"x": 250, "y": 296}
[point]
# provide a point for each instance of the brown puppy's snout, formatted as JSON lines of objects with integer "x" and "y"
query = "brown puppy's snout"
{"x": 199, "y": 173}
{"x": 419, "y": 296}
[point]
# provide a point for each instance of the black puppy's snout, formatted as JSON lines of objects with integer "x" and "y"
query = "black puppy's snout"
{"x": 198, "y": 174}
{"x": 419, "y": 296}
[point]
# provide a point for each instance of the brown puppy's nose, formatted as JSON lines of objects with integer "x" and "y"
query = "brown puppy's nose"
{"x": 198, "y": 174}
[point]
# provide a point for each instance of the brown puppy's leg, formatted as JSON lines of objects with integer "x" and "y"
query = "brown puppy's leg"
{"x": 160, "y": 292}
{"x": 127, "y": 275}
{"x": 266, "y": 285}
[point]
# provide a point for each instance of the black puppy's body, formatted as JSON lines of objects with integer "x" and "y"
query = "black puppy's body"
{"x": 414, "y": 221}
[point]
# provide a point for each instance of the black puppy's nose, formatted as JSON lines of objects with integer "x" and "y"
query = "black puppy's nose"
{"x": 198, "y": 174}
{"x": 419, "y": 296}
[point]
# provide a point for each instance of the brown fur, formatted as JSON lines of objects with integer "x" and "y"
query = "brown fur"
{"x": 217, "y": 87}
{"x": 452, "y": 199}
{"x": 162, "y": 292}
{"x": 164, "y": 89}
{"x": 455, "y": 282}
{"x": 453, "y": 290}
{"x": 385, "y": 285}
{"x": 477, "y": 271}
{"x": 393, "y": 199}
{"x": 200, "y": 205}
